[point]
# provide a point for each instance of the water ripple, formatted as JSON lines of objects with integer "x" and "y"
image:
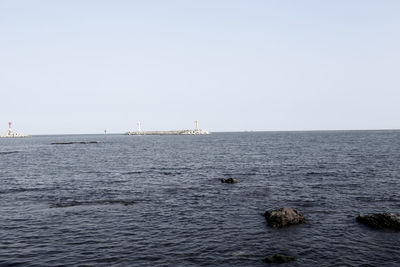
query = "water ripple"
{"x": 158, "y": 201}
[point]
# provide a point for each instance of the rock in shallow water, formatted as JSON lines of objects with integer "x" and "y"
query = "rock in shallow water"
{"x": 284, "y": 217}
{"x": 73, "y": 143}
{"x": 278, "y": 258}
{"x": 229, "y": 181}
{"x": 380, "y": 221}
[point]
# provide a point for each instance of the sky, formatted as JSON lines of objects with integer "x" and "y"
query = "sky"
{"x": 81, "y": 66}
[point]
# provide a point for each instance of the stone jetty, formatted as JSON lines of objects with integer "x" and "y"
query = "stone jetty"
{"x": 13, "y": 135}
{"x": 195, "y": 131}
{"x": 172, "y": 132}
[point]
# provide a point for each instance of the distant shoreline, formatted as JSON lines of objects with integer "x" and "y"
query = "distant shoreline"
{"x": 216, "y": 132}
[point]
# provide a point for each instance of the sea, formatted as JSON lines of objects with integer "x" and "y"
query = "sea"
{"x": 159, "y": 201}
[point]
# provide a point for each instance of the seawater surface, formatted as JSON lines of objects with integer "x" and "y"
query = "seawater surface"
{"x": 158, "y": 200}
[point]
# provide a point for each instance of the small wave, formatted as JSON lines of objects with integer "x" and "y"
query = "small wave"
{"x": 132, "y": 172}
{"x": 317, "y": 186}
{"x": 92, "y": 203}
{"x": 99, "y": 172}
{"x": 21, "y": 190}
{"x": 176, "y": 189}
{"x": 390, "y": 198}
{"x": 8, "y": 152}
{"x": 303, "y": 203}
{"x": 365, "y": 198}
{"x": 313, "y": 173}
{"x": 170, "y": 173}
{"x": 107, "y": 260}
{"x": 387, "y": 198}
{"x": 170, "y": 168}
{"x": 316, "y": 173}
{"x": 240, "y": 174}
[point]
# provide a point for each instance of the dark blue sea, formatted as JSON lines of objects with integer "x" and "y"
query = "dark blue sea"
{"x": 158, "y": 200}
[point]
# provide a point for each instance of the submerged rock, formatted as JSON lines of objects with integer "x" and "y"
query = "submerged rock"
{"x": 284, "y": 217}
{"x": 229, "y": 181}
{"x": 72, "y": 143}
{"x": 380, "y": 220}
{"x": 278, "y": 258}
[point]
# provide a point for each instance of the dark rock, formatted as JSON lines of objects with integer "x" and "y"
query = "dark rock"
{"x": 229, "y": 181}
{"x": 8, "y": 152}
{"x": 72, "y": 143}
{"x": 278, "y": 258}
{"x": 380, "y": 221}
{"x": 284, "y": 217}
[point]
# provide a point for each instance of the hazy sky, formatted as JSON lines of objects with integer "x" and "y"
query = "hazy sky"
{"x": 85, "y": 66}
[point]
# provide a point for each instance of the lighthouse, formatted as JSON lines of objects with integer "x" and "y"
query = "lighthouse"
{"x": 10, "y": 131}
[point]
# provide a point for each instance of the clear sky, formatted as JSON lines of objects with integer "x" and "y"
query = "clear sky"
{"x": 84, "y": 66}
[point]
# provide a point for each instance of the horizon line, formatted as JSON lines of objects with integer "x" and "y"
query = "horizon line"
{"x": 240, "y": 131}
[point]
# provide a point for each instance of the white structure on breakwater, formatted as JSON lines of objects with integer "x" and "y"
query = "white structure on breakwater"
{"x": 196, "y": 131}
{"x": 11, "y": 134}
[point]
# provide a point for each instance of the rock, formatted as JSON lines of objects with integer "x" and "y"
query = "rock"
{"x": 380, "y": 220}
{"x": 284, "y": 217}
{"x": 229, "y": 181}
{"x": 72, "y": 143}
{"x": 278, "y": 258}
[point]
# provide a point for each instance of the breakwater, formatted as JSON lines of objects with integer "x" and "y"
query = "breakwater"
{"x": 13, "y": 135}
{"x": 172, "y": 132}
